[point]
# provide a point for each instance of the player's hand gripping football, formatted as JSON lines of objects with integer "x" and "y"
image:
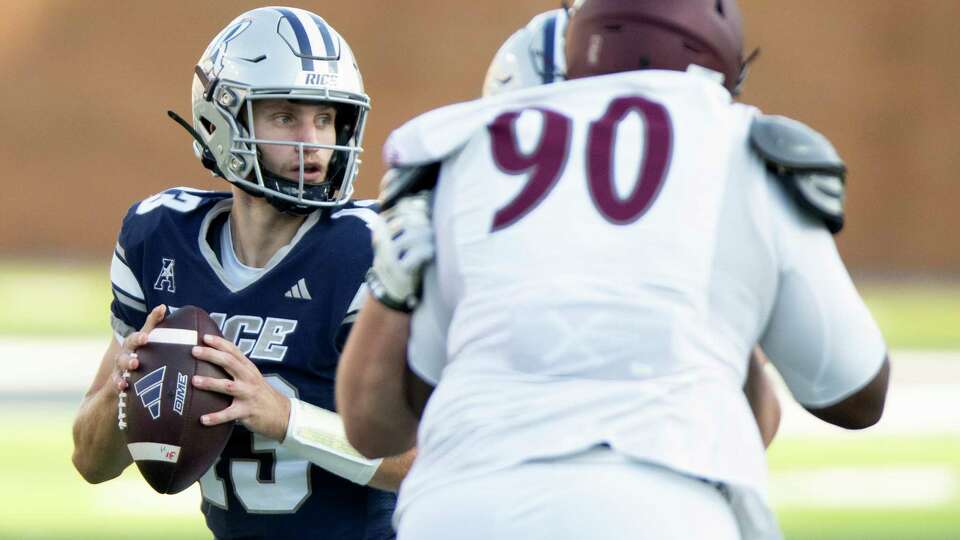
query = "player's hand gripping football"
{"x": 257, "y": 405}
{"x": 126, "y": 360}
{"x": 403, "y": 246}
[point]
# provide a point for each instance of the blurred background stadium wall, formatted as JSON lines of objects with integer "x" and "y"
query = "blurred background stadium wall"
{"x": 85, "y": 86}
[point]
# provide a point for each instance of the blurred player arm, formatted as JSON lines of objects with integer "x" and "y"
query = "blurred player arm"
{"x": 374, "y": 383}
{"x": 762, "y": 397}
{"x": 378, "y": 394}
{"x": 99, "y": 449}
{"x": 820, "y": 336}
{"x": 861, "y": 409}
{"x": 392, "y": 471}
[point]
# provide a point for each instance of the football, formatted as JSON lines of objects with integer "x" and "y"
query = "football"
{"x": 160, "y": 411}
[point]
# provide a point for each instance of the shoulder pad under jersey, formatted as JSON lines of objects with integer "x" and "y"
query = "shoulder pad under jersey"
{"x": 402, "y": 181}
{"x": 806, "y": 163}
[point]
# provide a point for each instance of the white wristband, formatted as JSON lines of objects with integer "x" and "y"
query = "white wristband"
{"x": 317, "y": 435}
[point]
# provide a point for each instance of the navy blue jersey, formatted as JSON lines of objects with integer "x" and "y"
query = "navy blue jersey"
{"x": 291, "y": 322}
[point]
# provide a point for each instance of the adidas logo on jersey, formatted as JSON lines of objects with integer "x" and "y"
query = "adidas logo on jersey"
{"x": 148, "y": 390}
{"x": 299, "y": 291}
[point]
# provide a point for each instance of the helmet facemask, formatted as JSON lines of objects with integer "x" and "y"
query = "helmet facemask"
{"x": 293, "y": 193}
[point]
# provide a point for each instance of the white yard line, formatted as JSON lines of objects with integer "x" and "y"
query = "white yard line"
{"x": 924, "y": 399}
{"x": 864, "y": 487}
{"x": 924, "y": 394}
{"x": 49, "y": 366}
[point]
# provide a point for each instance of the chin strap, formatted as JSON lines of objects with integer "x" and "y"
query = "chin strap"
{"x": 290, "y": 187}
{"x": 745, "y": 70}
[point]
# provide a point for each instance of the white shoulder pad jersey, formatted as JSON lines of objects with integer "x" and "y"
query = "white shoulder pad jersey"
{"x": 609, "y": 251}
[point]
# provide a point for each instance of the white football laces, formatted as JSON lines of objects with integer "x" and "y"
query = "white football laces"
{"x": 122, "y": 405}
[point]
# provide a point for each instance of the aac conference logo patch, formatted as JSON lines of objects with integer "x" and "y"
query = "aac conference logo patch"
{"x": 166, "y": 281}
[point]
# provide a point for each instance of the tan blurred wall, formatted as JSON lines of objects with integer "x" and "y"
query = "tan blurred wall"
{"x": 85, "y": 86}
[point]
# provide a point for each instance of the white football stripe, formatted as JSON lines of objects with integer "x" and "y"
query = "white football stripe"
{"x": 173, "y": 336}
{"x": 123, "y": 278}
{"x": 150, "y": 451}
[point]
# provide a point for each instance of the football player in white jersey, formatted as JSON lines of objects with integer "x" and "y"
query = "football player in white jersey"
{"x": 608, "y": 251}
{"x": 278, "y": 261}
{"x": 534, "y": 55}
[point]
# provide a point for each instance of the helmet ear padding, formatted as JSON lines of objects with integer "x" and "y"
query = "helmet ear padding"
{"x": 345, "y": 125}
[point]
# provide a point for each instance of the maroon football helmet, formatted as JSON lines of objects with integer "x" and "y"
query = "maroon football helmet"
{"x": 611, "y": 36}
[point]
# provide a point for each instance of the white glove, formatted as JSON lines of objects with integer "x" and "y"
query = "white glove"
{"x": 403, "y": 246}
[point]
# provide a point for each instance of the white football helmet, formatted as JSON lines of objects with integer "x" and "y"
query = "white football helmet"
{"x": 278, "y": 53}
{"x": 532, "y": 56}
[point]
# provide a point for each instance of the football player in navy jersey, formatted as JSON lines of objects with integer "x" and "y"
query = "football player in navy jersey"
{"x": 278, "y": 262}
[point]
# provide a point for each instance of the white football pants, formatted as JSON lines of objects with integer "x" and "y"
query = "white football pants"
{"x": 596, "y": 495}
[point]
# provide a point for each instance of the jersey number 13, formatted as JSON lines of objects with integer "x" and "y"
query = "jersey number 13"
{"x": 284, "y": 493}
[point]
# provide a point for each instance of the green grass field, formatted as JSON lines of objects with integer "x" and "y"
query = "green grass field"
{"x": 813, "y": 519}
{"x": 42, "y": 497}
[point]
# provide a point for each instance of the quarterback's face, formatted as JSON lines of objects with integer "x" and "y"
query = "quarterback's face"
{"x": 282, "y": 120}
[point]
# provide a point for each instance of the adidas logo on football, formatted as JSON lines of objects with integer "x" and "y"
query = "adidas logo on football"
{"x": 299, "y": 291}
{"x": 148, "y": 390}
